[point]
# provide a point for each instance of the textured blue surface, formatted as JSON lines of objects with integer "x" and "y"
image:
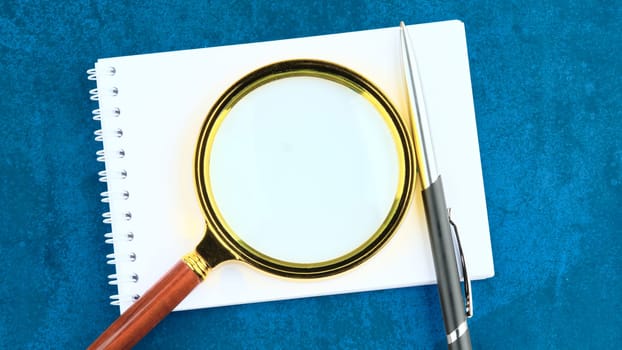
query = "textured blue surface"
{"x": 546, "y": 84}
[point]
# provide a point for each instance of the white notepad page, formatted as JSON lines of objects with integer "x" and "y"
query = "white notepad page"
{"x": 163, "y": 99}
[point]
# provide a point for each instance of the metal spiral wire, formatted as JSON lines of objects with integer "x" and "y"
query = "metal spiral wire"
{"x": 104, "y": 135}
{"x": 116, "y": 279}
{"x": 111, "y": 238}
{"x": 116, "y": 299}
{"x": 97, "y": 114}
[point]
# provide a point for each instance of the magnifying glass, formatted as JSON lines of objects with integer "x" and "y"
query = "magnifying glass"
{"x": 303, "y": 169}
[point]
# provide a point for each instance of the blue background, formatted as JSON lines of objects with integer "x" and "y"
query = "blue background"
{"x": 546, "y": 85}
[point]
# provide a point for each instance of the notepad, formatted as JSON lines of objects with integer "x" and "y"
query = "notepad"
{"x": 151, "y": 109}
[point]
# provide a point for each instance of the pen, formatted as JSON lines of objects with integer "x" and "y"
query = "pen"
{"x": 436, "y": 211}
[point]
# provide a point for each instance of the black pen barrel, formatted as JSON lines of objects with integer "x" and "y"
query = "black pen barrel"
{"x": 446, "y": 267}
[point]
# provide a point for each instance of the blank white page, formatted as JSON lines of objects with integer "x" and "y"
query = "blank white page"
{"x": 163, "y": 99}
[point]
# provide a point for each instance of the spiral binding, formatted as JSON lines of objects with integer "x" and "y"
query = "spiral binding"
{"x": 116, "y": 279}
{"x": 114, "y": 195}
{"x": 99, "y": 134}
{"x": 96, "y": 114}
{"x": 103, "y": 177}
{"x": 101, "y": 154}
{"x": 127, "y": 216}
{"x": 110, "y": 237}
{"x": 92, "y": 74}
{"x": 106, "y": 175}
{"x": 113, "y": 258}
{"x": 116, "y": 299}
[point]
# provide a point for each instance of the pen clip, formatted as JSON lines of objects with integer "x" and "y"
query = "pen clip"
{"x": 467, "y": 281}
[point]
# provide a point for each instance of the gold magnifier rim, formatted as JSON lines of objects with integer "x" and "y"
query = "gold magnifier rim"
{"x": 226, "y": 236}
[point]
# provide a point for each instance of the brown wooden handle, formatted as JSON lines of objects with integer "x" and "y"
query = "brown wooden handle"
{"x": 149, "y": 310}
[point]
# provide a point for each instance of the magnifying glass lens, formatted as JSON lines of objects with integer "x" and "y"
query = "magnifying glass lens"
{"x": 303, "y": 169}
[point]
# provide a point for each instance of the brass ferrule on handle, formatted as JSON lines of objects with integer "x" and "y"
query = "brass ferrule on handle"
{"x": 197, "y": 264}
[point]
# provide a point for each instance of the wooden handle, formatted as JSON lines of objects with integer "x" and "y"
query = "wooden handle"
{"x": 149, "y": 310}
